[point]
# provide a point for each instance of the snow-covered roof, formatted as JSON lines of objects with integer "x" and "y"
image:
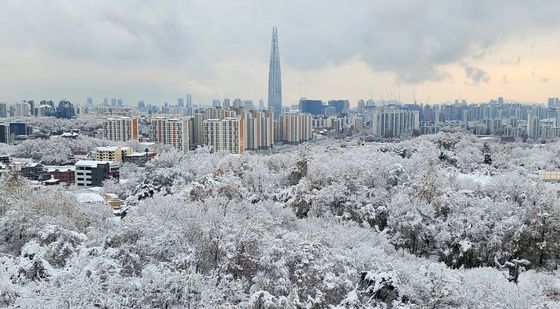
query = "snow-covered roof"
{"x": 89, "y": 197}
{"x": 69, "y": 134}
{"x": 106, "y": 148}
{"x": 137, "y": 154}
{"x": 90, "y": 163}
{"x": 65, "y": 168}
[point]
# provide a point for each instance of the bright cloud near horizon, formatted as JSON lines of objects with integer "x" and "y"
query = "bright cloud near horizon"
{"x": 158, "y": 51}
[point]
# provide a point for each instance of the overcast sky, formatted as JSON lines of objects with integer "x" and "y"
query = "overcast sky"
{"x": 160, "y": 50}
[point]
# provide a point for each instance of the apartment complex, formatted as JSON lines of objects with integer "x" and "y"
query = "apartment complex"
{"x": 120, "y": 129}
{"x": 174, "y": 132}
{"x": 225, "y": 134}
{"x": 294, "y": 128}
{"x": 390, "y": 123}
{"x": 199, "y": 135}
{"x": 258, "y": 129}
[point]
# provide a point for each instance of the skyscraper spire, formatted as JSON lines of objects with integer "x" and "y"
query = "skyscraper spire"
{"x": 274, "y": 78}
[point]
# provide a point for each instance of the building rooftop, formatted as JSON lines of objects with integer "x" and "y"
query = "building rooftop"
{"x": 90, "y": 163}
{"x": 65, "y": 168}
{"x": 107, "y": 148}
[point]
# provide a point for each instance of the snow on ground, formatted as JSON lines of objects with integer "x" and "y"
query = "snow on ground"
{"x": 89, "y": 197}
{"x": 474, "y": 179}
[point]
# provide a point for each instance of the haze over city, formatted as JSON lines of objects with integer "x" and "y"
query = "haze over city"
{"x": 431, "y": 51}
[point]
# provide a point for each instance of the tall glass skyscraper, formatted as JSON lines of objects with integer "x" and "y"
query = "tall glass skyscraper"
{"x": 274, "y": 78}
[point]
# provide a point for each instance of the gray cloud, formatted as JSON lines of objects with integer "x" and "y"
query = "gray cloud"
{"x": 476, "y": 75}
{"x": 412, "y": 39}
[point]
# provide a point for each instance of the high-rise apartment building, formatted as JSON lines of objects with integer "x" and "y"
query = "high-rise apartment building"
{"x": 225, "y": 134}
{"x": 120, "y": 129}
{"x": 295, "y": 128}
{"x": 259, "y": 129}
{"x": 274, "y": 78}
{"x": 199, "y": 136}
{"x": 390, "y": 123}
{"x": 172, "y": 131}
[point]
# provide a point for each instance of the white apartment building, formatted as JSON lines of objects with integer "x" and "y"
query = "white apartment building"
{"x": 120, "y": 129}
{"x": 258, "y": 129}
{"x": 225, "y": 134}
{"x": 295, "y": 128}
{"x": 389, "y": 123}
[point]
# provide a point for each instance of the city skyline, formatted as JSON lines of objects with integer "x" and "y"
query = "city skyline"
{"x": 432, "y": 51}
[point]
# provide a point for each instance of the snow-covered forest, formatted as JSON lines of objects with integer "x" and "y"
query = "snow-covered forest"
{"x": 438, "y": 221}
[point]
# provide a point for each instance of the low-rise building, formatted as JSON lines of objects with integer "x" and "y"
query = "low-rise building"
{"x": 91, "y": 173}
{"x": 139, "y": 158}
{"x": 65, "y": 174}
{"x": 114, "y": 154}
{"x": 34, "y": 171}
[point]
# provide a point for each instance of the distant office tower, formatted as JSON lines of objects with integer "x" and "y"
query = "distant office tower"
{"x": 141, "y": 106}
{"x": 225, "y": 135}
{"x": 3, "y": 110}
{"x": 120, "y": 129}
{"x": 4, "y": 133}
{"x": 105, "y": 102}
{"x": 226, "y": 104}
{"x": 173, "y": 132}
{"x": 216, "y": 103}
{"x": 341, "y": 106}
{"x": 258, "y": 128}
{"x": 65, "y": 110}
{"x": 389, "y": 123}
{"x": 120, "y": 103}
{"x": 89, "y": 102}
{"x": 314, "y": 107}
{"x": 22, "y": 109}
{"x": 295, "y": 128}
{"x": 188, "y": 105}
{"x": 32, "y": 108}
{"x": 180, "y": 102}
{"x": 274, "y": 78}
{"x": 19, "y": 128}
{"x": 553, "y": 102}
